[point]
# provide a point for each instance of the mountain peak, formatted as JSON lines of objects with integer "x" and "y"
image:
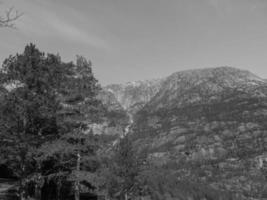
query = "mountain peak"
{"x": 207, "y": 84}
{"x": 135, "y": 95}
{"x": 223, "y": 72}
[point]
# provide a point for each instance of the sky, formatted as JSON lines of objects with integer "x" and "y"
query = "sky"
{"x": 129, "y": 40}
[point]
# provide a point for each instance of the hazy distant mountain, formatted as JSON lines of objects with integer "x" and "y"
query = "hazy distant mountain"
{"x": 109, "y": 100}
{"x": 115, "y": 117}
{"x": 134, "y": 95}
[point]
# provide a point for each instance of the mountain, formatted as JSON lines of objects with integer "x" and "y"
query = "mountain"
{"x": 132, "y": 96}
{"x": 110, "y": 101}
{"x": 193, "y": 86}
{"x": 122, "y": 101}
{"x": 115, "y": 117}
{"x": 209, "y": 125}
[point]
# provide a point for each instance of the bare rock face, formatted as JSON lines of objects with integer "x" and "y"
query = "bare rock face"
{"x": 132, "y": 96}
{"x": 109, "y": 100}
{"x": 115, "y": 117}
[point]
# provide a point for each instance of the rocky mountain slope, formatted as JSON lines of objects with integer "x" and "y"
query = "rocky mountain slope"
{"x": 115, "y": 117}
{"x": 132, "y": 96}
{"x": 193, "y": 86}
{"x": 209, "y": 125}
{"x": 122, "y": 101}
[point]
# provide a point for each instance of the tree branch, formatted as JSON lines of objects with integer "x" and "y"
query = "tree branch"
{"x": 9, "y": 18}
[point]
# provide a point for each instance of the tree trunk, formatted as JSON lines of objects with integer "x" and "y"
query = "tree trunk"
{"x": 58, "y": 190}
{"x": 21, "y": 191}
{"x": 77, "y": 183}
{"x": 22, "y": 186}
{"x": 37, "y": 192}
{"x": 126, "y": 196}
{"x": 22, "y": 195}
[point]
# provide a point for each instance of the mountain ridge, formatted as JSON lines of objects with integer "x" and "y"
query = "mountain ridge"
{"x": 208, "y": 125}
{"x": 132, "y": 101}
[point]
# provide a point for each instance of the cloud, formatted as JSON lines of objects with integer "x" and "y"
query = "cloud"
{"x": 73, "y": 33}
{"x": 50, "y": 20}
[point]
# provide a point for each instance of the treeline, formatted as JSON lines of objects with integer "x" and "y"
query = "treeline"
{"x": 46, "y": 108}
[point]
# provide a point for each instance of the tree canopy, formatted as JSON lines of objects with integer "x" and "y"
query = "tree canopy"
{"x": 46, "y": 105}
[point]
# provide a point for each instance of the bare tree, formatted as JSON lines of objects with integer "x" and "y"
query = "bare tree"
{"x": 8, "y": 19}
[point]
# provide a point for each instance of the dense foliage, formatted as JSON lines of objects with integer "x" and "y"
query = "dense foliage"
{"x": 45, "y": 108}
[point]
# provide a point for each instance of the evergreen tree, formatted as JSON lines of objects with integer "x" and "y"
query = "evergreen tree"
{"x": 79, "y": 105}
{"x": 45, "y": 108}
{"x": 71, "y": 159}
{"x": 74, "y": 153}
{"x": 124, "y": 170}
{"x": 28, "y": 107}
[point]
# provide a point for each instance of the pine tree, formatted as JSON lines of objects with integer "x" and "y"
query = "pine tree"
{"x": 46, "y": 107}
{"x": 71, "y": 158}
{"x": 76, "y": 148}
{"x": 124, "y": 170}
{"x": 80, "y": 106}
{"x": 28, "y": 107}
